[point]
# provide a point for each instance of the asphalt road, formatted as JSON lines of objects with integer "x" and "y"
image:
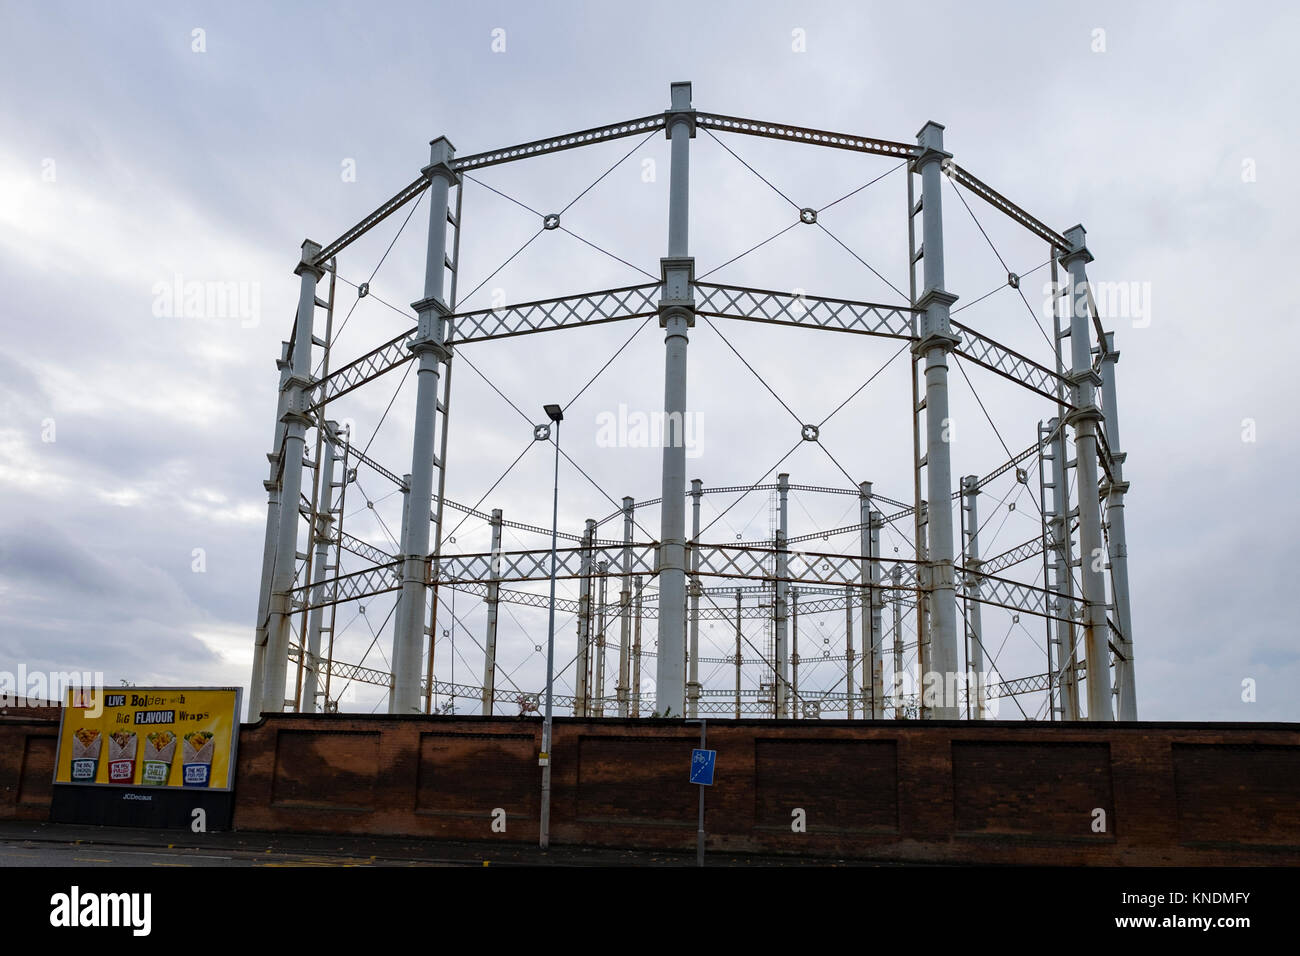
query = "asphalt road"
{"x": 61, "y": 845}
{"x": 103, "y": 854}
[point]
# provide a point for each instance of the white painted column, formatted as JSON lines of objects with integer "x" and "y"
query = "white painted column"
{"x": 876, "y": 520}
{"x": 970, "y": 489}
{"x": 493, "y": 607}
{"x": 676, "y": 317}
{"x": 1114, "y": 490}
{"x": 781, "y": 599}
{"x": 796, "y": 709}
{"x": 693, "y": 658}
{"x": 739, "y": 656}
{"x": 1084, "y": 421}
{"x": 895, "y": 607}
{"x": 582, "y": 692}
{"x": 324, "y": 537}
{"x": 638, "y": 583}
{"x": 936, "y": 341}
{"x": 429, "y": 349}
{"x": 298, "y": 396}
{"x": 272, "y": 486}
{"x": 625, "y": 610}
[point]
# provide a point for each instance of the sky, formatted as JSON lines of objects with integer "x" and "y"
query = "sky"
{"x": 144, "y": 147}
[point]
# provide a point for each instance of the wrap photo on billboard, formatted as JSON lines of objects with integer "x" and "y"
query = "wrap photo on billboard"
{"x": 159, "y": 751}
{"x": 121, "y": 756}
{"x": 86, "y": 744}
{"x": 196, "y": 760}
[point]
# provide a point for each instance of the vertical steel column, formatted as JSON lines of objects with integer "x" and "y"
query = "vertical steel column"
{"x": 1063, "y": 585}
{"x": 781, "y": 598}
{"x": 1115, "y": 488}
{"x": 324, "y": 537}
{"x": 738, "y": 655}
{"x": 582, "y": 692}
{"x": 1053, "y": 645}
{"x": 970, "y": 488}
{"x": 442, "y": 468}
{"x": 429, "y": 350}
{"x": 602, "y": 569}
{"x": 493, "y": 600}
{"x": 895, "y": 600}
{"x": 625, "y": 609}
{"x": 298, "y": 396}
{"x": 693, "y": 658}
{"x": 865, "y": 603}
{"x": 936, "y": 341}
{"x": 795, "y": 708}
{"x": 849, "y": 656}
{"x": 876, "y": 520}
{"x": 921, "y": 515}
{"x": 406, "y": 519}
{"x": 1083, "y": 419}
{"x": 638, "y": 584}
{"x": 272, "y": 486}
{"x": 676, "y": 317}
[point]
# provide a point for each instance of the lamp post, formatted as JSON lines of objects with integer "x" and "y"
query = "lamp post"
{"x": 541, "y": 433}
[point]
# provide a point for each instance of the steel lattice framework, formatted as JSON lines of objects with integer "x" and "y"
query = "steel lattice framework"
{"x": 932, "y": 597}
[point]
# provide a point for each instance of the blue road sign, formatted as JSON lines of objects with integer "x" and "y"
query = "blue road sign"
{"x": 702, "y": 762}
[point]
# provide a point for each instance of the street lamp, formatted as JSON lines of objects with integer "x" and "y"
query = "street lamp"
{"x": 541, "y": 433}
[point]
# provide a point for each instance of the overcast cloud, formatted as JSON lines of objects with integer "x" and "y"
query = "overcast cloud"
{"x": 132, "y": 444}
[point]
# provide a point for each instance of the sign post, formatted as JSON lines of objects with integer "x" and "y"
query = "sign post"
{"x": 702, "y": 764}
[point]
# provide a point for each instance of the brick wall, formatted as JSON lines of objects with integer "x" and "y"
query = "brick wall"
{"x": 993, "y": 792}
{"x": 27, "y": 748}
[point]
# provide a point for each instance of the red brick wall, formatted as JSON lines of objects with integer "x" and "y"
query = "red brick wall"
{"x": 941, "y": 792}
{"x": 27, "y": 748}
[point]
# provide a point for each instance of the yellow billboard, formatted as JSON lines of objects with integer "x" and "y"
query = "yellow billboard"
{"x": 149, "y": 737}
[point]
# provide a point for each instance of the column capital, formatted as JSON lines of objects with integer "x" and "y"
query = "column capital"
{"x": 1107, "y": 488}
{"x": 1088, "y": 375}
{"x": 307, "y": 262}
{"x": 441, "y": 155}
{"x": 970, "y": 485}
{"x": 297, "y": 381}
{"x": 679, "y": 109}
{"x": 294, "y": 416}
{"x": 1088, "y": 413}
{"x": 864, "y": 489}
{"x": 946, "y": 341}
{"x": 932, "y": 297}
{"x": 420, "y": 345}
{"x": 678, "y": 296}
{"x": 1078, "y": 247}
{"x": 930, "y": 138}
{"x": 428, "y": 305}
{"x": 1106, "y": 351}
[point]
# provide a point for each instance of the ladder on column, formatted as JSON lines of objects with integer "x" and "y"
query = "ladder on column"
{"x": 921, "y": 513}
{"x": 304, "y": 562}
{"x": 327, "y": 627}
{"x": 1060, "y": 579}
{"x": 442, "y": 409}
